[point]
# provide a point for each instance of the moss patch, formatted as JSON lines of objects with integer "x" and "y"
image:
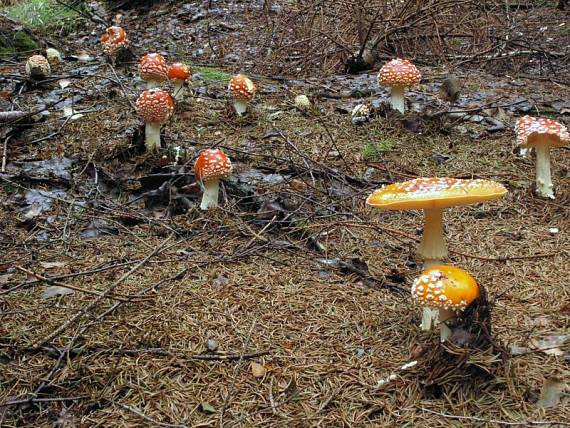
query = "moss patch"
{"x": 12, "y": 43}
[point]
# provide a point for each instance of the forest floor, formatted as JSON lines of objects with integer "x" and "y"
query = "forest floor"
{"x": 289, "y": 304}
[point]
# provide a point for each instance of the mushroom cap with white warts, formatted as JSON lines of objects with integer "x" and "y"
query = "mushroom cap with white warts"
{"x": 155, "y": 106}
{"x": 241, "y": 88}
{"x": 212, "y": 164}
{"x": 533, "y": 131}
{"x": 445, "y": 287}
{"x": 399, "y": 72}
{"x": 38, "y": 65}
{"x": 435, "y": 192}
{"x": 152, "y": 67}
{"x": 113, "y": 40}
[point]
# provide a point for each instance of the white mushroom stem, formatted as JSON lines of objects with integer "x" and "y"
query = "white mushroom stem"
{"x": 443, "y": 316}
{"x": 544, "y": 186}
{"x": 151, "y": 84}
{"x": 240, "y": 106}
{"x": 179, "y": 90}
{"x": 152, "y": 137}
{"x": 397, "y": 98}
{"x": 433, "y": 250}
{"x": 210, "y": 195}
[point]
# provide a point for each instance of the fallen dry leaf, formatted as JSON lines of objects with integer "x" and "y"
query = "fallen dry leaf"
{"x": 257, "y": 370}
{"x": 551, "y": 391}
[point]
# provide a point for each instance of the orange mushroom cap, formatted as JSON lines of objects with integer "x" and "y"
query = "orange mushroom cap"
{"x": 153, "y": 67}
{"x": 533, "y": 131}
{"x": 179, "y": 71}
{"x": 155, "y": 106}
{"x": 446, "y": 287}
{"x": 399, "y": 72}
{"x": 426, "y": 193}
{"x": 212, "y": 164}
{"x": 113, "y": 40}
{"x": 242, "y": 88}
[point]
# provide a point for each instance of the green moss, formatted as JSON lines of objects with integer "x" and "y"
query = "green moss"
{"x": 373, "y": 151}
{"x": 17, "y": 42}
{"x": 211, "y": 74}
{"x": 43, "y": 15}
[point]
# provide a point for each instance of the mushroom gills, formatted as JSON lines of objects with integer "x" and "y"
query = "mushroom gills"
{"x": 210, "y": 195}
{"x": 544, "y": 186}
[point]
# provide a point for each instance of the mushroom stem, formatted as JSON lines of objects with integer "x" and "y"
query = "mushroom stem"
{"x": 397, "y": 98}
{"x": 443, "y": 316}
{"x": 152, "y": 137}
{"x": 432, "y": 249}
{"x": 240, "y": 106}
{"x": 151, "y": 84}
{"x": 544, "y": 186}
{"x": 178, "y": 90}
{"x": 210, "y": 195}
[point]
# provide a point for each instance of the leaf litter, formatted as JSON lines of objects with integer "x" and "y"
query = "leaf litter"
{"x": 293, "y": 210}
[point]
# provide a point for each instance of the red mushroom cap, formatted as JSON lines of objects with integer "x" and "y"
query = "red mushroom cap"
{"x": 241, "y": 88}
{"x": 113, "y": 39}
{"x": 399, "y": 72}
{"x": 212, "y": 164}
{"x": 532, "y": 131}
{"x": 152, "y": 67}
{"x": 179, "y": 71}
{"x": 155, "y": 106}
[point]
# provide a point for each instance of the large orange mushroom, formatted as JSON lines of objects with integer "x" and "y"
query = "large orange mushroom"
{"x": 433, "y": 195}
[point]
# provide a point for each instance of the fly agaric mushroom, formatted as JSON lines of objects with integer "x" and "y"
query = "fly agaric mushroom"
{"x": 447, "y": 289}
{"x": 397, "y": 75}
{"x": 242, "y": 90}
{"x": 433, "y": 195}
{"x": 113, "y": 40}
{"x": 37, "y": 67}
{"x": 211, "y": 166}
{"x": 541, "y": 134}
{"x": 156, "y": 107}
{"x": 178, "y": 73}
{"x": 152, "y": 68}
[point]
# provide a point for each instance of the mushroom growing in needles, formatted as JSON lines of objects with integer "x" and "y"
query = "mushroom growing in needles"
{"x": 541, "y": 134}
{"x": 447, "y": 289}
{"x": 211, "y": 166}
{"x": 156, "y": 107}
{"x": 398, "y": 74}
{"x": 178, "y": 73}
{"x": 433, "y": 195}
{"x": 242, "y": 90}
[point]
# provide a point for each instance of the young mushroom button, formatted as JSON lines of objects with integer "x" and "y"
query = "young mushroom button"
{"x": 242, "y": 90}
{"x": 447, "y": 289}
{"x": 397, "y": 75}
{"x": 541, "y": 134}
{"x": 113, "y": 40}
{"x": 178, "y": 73}
{"x": 156, "y": 107}
{"x": 433, "y": 195}
{"x": 211, "y": 166}
{"x": 37, "y": 67}
{"x": 152, "y": 68}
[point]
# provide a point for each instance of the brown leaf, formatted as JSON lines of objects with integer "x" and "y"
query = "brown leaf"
{"x": 257, "y": 370}
{"x": 551, "y": 391}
